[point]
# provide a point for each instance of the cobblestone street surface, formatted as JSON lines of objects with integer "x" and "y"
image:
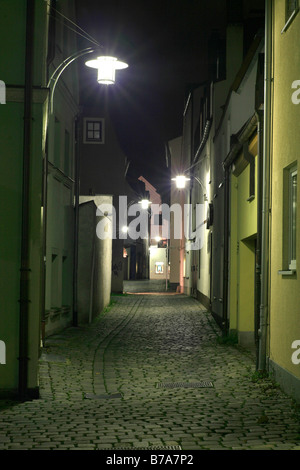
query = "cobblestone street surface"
{"x": 150, "y": 373}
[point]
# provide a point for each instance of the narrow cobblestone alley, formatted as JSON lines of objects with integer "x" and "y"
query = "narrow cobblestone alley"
{"x": 150, "y": 373}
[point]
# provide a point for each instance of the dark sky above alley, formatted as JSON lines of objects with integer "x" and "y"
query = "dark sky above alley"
{"x": 165, "y": 44}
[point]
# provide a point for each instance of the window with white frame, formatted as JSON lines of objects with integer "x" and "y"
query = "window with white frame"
{"x": 291, "y": 9}
{"x": 93, "y": 132}
{"x": 289, "y": 220}
{"x": 291, "y": 6}
{"x": 292, "y": 217}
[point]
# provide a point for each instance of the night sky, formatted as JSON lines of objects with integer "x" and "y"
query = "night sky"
{"x": 165, "y": 44}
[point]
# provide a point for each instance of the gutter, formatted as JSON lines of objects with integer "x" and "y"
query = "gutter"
{"x": 262, "y": 347}
{"x": 76, "y": 225}
{"x": 260, "y": 129}
{"x": 25, "y": 269}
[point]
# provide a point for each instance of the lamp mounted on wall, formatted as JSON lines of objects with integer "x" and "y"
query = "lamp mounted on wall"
{"x": 145, "y": 203}
{"x": 180, "y": 181}
{"x": 106, "y": 66}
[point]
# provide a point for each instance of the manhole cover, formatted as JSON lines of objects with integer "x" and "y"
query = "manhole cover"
{"x": 93, "y": 396}
{"x": 205, "y": 384}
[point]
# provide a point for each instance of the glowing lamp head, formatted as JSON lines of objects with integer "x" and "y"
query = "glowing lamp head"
{"x": 180, "y": 181}
{"x": 145, "y": 203}
{"x": 106, "y": 66}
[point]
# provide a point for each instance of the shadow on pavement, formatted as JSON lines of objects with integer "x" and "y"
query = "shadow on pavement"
{"x": 147, "y": 286}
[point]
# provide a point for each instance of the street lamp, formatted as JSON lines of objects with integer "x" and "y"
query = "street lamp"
{"x": 106, "y": 66}
{"x": 145, "y": 203}
{"x": 180, "y": 181}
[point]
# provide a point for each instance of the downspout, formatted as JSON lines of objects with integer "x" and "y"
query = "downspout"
{"x": 25, "y": 269}
{"x": 76, "y": 226}
{"x": 226, "y": 251}
{"x": 262, "y": 347}
{"x": 260, "y": 127}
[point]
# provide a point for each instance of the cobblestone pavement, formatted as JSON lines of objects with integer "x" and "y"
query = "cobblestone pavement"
{"x": 150, "y": 373}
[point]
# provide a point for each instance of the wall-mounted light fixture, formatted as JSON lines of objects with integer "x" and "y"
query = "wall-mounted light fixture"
{"x": 145, "y": 203}
{"x": 180, "y": 181}
{"x": 106, "y": 66}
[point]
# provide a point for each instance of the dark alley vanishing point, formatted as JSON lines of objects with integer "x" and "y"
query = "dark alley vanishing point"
{"x": 150, "y": 372}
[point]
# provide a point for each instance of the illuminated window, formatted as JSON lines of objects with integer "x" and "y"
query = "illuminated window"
{"x": 159, "y": 268}
{"x": 94, "y": 131}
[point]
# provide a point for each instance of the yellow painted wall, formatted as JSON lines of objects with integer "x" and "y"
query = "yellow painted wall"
{"x": 285, "y": 290}
{"x": 243, "y": 229}
{"x": 233, "y": 287}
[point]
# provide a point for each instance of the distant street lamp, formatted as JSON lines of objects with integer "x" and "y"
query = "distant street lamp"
{"x": 180, "y": 181}
{"x": 107, "y": 67}
{"x": 145, "y": 203}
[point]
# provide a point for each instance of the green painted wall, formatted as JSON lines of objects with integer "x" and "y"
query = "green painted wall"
{"x": 12, "y": 61}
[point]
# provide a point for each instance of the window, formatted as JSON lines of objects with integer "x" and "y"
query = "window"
{"x": 289, "y": 220}
{"x": 67, "y": 153}
{"x": 292, "y": 217}
{"x": 94, "y": 131}
{"x": 57, "y": 143}
{"x": 291, "y": 9}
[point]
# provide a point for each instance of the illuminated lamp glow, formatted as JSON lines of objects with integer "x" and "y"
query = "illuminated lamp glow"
{"x": 106, "y": 66}
{"x": 180, "y": 181}
{"x": 145, "y": 203}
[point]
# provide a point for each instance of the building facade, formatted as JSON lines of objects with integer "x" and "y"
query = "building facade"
{"x": 283, "y": 107}
{"x": 244, "y": 172}
{"x": 103, "y": 168}
{"x": 61, "y": 165}
{"x": 23, "y": 32}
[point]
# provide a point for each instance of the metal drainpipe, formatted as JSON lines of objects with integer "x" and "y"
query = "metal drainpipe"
{"x": 76, "y": 225}
{"x": 262, "y": 347}
{"x": 25, "y": 269}
{"x": 226, "y": 261}
{"x": 260, "y": 127}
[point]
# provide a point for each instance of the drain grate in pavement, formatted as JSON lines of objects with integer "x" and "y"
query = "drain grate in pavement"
{"x": 52, "y": 358}
{"x": 205, "y": 384}
{"x": 144, "y": 448}
{"x": 103, "y": 397}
